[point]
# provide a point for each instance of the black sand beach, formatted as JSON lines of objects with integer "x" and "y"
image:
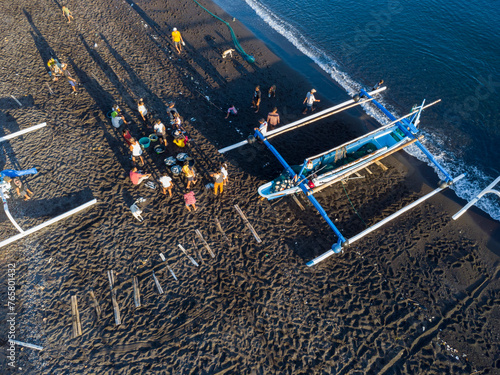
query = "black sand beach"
{"x": 418, "y": 296}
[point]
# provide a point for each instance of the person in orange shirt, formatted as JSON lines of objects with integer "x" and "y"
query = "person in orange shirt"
{"x": 178, "y": 41}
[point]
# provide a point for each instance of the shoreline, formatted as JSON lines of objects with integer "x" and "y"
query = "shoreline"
{"x": 423, "y": 282}
{"x": 480, "y": 220}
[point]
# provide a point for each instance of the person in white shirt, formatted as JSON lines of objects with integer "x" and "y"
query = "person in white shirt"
{"x": 262, "y": 127}
{"x": 117, "y": 119}
{"x": 136, "y": 149}
{"x": 160, "y": 131}
{"x": 309, "y": 101}
{"x": 224, "y": 172}
{"x": 166, "y": 183}
{"x": 142, "y": 110}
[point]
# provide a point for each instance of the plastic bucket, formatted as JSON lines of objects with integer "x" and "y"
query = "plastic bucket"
{"x": 153, "y": 137}
{"x": 145, "y": 142}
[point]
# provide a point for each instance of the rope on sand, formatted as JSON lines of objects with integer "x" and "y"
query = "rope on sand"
{"x": 353, "y": 205}
{"x": 237, "y": 45}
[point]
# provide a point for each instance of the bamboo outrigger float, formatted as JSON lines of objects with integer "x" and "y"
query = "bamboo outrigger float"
{"x": 336, "y": 164}
{"x": 5, "y": 190}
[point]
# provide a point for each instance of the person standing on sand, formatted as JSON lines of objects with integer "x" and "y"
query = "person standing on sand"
{"x": 166, "y": 183}
{"x": 177, "y": 122}
{"x": 190, "y": 174}
{"x": 136, "y": 149}
{"x": 272, "y": 91}
{"x": 219, "y": 182}
{"x": 262, "y": 127}
{"x": 223, "y": 169}
{"x": 273, "y": 118}
{"x": 137, "y": 177}
{"x": 67, "y": 13}
{"x": 67, "y": 74}
{"x": 127, "y": 136}
{"x": 190, "y": 200}
{"x": 142, "y": 110}
{"x": 160, "y": 131}
{"x": 172, "y": 110}
{"x": 178, "y": 41}
{"x": 309, "y": 101}
{"x": 256, "y": 99}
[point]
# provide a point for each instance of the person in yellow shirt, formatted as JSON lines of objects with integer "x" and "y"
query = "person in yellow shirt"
{"x": 178, "y": 41}
{"x": 190, "y": 174}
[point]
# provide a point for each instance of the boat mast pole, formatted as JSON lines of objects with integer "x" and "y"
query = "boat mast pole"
{"x": 408, "y": 133}
{"x": 302, "y": 185}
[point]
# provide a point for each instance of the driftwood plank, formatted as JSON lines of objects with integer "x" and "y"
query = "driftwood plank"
{"x": 158, "y": 286}
{"x": 298, "y": 202}
{"x": 116, "y": 308}
{"x": 250, "y": 227}
{"x": 31, "y": 346}
{"x": 207, "y": 246}
{"x": 137, "y": 295}
{"x": 96, "y": 304}
{"x": 77, "y": 328}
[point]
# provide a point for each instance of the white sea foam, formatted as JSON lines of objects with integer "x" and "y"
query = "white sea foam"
{"x": 467, "y": 188}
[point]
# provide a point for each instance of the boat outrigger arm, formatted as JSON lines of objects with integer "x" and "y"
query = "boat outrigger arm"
{"x": 4, "y": 193}
{"x": 334, "y": 166}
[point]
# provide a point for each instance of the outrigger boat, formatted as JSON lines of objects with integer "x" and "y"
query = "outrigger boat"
{"x": 5, "y": 193}
{"x": 337, "y": 164}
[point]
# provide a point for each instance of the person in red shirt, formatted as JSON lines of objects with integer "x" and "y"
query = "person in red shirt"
{"x": 137, "y": 177}
{"x": 128, "y": 137}
{"x": 190, "y": 200}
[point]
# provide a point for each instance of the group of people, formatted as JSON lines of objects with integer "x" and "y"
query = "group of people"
{"x": 257, "y": 96}
{"x": 137, "y": 176}
{"x": 273, "y": 117}
{"x": 57, "y": 69}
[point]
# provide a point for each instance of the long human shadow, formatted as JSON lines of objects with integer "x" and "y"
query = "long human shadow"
{"x": 58, "y": 4}
{"x": 104, "y": 101}
{"x": 50, "y": 207}
{"x": 6, "y": 150}
{"x": 111, "y": 75}
{"x": 197, "y": 57}
{"x": 151, "y": 97}
{"x": 46, "y": 52}
{"x": 137, "y": 84}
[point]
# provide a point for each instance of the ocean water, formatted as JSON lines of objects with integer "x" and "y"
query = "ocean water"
{"x": 430, "y": 49}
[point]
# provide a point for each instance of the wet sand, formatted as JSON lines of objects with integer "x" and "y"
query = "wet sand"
{"x": 418, "y": 296}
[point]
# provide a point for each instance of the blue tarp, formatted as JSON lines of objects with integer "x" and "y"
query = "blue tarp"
{"x": 13, "y": 173}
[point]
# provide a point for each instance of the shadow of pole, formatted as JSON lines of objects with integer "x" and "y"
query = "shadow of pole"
{"x": 46, "y": 52}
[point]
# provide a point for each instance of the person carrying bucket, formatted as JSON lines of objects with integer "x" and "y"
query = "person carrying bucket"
{"x": 178, "y": 41}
